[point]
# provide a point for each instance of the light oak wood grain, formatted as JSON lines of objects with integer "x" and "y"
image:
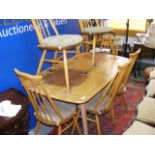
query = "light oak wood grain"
{"x": 83, "y": 86}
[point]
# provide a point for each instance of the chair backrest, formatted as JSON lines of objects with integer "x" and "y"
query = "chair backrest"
{"x": 114, "y": 50}
{"x": 114, "y": 85}
{"x": 133, "y": 57}
{"x": 39, "y": 97}
{"x": 43, "y": 28}
{"x": 84, "y": 23}
{"x": 107, "y": 42}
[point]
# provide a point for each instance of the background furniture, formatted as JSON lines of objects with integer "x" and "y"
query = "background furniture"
{"x": 147, "y": 73}
{"x": 139, "y": 128}
{"x": 20, "y": 123}
{"x": 146, "y": 53}
{"x": 144, "y": 121}
{"x": 93, "y": 34}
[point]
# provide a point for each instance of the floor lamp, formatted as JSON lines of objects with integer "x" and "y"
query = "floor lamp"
{"x": 126, "y": 45}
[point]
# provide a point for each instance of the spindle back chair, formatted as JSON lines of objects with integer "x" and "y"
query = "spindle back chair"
{"x": 60, "y": 44}
{"x": 103, "y": 102}
{"x": 47, "y": 111}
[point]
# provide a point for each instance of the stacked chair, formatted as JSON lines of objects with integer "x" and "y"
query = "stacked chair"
{"x": 59, "y": 44}
{"x": 93, "y": 35}
{"x": 145, "y": 119}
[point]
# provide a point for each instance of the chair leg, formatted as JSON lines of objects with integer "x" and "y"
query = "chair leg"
{"x": 94, "y": 46}
{"x": 124, "y": 101}
{"x": 78, "y": 54}
{"x": 113, "y": 117}
{"x": 98, "y": 124}
{"x": 55, "y": 57}
{"x": 77, "y": 116}
{"x": 86, "y": 46}
{"x": 41, "y": 62}
{"x": 66, "y": 70}
{"x": 76, "y": 125}
{"x": 37, "y": 128}
{"x": 59, "y": 130}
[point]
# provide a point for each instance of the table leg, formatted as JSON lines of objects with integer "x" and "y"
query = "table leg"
{"x": 84, "y": 118}
{"x": 94, "y": 46}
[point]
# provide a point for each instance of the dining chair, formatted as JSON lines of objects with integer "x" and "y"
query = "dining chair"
{"x": 93, "y": 34}
{"x": 48, "y": 111}
{"x": 102, "y": 103}
{"x": 133, "y": 57}
{"x": 61, "y": 45}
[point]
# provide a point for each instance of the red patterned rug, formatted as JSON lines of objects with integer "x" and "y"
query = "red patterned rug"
{"x": 134, "y": 94}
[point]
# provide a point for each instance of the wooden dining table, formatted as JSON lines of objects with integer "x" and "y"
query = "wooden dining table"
{"x": 85, "y": 80}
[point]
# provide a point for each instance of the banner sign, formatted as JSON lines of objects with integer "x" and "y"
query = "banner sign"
{"x": 18, "y": 48}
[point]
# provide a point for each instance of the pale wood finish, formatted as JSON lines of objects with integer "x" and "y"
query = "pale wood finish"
{"x": 98, "y": 124}
{"x": 84, "y": 23}
{"x": 111, "y": 91}
{"x": 43, "y": 31}
{"x": 133, "y": 57}
{"x": 41, "y": 100}
{"x": 84, "y": 118}
{"x": 97, "y": 37}
{"x": 114, "y": 50}
{"x": 66, "y": 71}
{"x": 109, "y": 43}
{"x": 94, "y": 46}
{"x": 83, "y": 86}
{"x": 37, "y": 128}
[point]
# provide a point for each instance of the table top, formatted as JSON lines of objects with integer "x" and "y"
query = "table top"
{"x": 83, "y": 86}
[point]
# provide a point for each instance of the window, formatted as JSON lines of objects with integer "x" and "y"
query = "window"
{"x": 135, "y": 26}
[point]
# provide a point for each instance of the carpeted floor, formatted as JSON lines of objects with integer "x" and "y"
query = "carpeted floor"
{"x": 134, "y": 94}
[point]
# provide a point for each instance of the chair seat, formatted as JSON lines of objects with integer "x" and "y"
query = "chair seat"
{"x": 63, "y": 41}
{"x": 150, "y": 88}
{"x": 152, "y": 74}
{"x": 139, "y": 128}
{"x": 92, "y": 103}
{"x": 97, "y": 29}
{"x": 66, "y": 110}
{"x": 146, "y": 110}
